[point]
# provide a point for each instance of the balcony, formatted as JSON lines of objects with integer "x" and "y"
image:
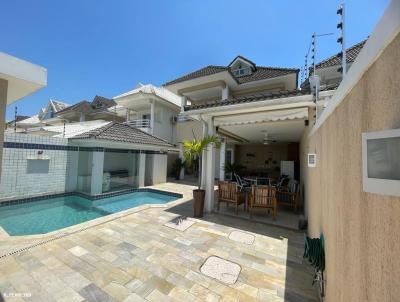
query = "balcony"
{"x": 141, "y": 123}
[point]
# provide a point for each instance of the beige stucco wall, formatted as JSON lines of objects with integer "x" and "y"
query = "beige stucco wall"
{"x": 3, "y": 102}
{"x": 261, "y": 153}
{"x": 362, "y": 230}
{"x": 184, "y": 130}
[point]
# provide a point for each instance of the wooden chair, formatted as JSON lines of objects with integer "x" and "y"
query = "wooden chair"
{"x": 289, "y": 195}
{"x": 263, "y": 197}
{"x": 228, "y": 192}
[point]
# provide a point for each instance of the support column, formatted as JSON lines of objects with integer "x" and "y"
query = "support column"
{"x": 3, "y": 104}
{"x": 141, "y": 169}
{"x": 222, "y": 161}
{"x": 204, "y": 159}
{"x": 96, "y": 183}
{"x": 183, "y": 102}
{"x": 182, "y": 157}
{"x": 152, "y": 105}
{"x": 225, "y": 93}
{"x": 210, "y": 170}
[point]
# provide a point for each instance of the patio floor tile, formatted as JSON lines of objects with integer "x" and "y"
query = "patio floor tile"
{"x": 138, "y": 258}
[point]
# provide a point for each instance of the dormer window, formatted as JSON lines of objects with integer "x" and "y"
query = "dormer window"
{"x": 240, "y": 67}
{"x": 242, "y": 71}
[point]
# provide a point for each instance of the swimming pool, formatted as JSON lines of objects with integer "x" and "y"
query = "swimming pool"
{"x": 40, "y": 217}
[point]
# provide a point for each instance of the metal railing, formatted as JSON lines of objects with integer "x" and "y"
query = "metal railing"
{"x": 142, "y": 123}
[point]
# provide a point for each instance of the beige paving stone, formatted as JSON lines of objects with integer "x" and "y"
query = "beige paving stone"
{"x": 157, "y": 296}
{"x": 78, "y": 251}
{"x": 246, "y": 289}
{"x": 107, "y": 255}
{"x": 180, "y": 294}
{"x": 117, "y": 291}
{"x": 242, "y": 237}
{"x": 68, "y": 295}
{"x": 134, "y": 298}
{"x": 161, "y": 285}
{"x": 203, "y": 293}
{"x": 198, "y": 278}
{"x": 138, "y": 258}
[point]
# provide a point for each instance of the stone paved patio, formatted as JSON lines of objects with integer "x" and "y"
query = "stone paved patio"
{"x": 137, "y": 258}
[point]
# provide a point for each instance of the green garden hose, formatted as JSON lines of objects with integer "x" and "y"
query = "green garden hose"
{"x": 314, "y": 252}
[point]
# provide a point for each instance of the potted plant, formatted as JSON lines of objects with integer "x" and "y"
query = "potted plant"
{"x": 234, "y": 168}
{"x": 194, "y": 150}
{"x": 178, "y": 165}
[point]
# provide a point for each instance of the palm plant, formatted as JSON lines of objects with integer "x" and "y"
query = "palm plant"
{"x": 194, "y": 150}
{"x": 234, "y": 168}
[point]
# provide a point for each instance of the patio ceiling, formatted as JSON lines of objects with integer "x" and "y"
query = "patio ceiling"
{"x": 281, "y": 131}
{"x": 282, "y": 126}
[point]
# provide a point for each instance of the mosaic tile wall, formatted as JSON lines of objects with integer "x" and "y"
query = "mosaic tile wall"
{"x": 33, "y": 165}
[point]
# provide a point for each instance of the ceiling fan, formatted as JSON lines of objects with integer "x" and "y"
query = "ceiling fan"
{"x": 268, "y": 139}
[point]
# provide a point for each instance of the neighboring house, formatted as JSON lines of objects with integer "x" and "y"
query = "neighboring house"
{"x": 154, "y": 110}
{"x": 328, "y": 69}
{"x": 18, "y": 79}
{"x": 45, "y": 116}
{"x": 11, "y": 124}
{"x": 100, "y": 108}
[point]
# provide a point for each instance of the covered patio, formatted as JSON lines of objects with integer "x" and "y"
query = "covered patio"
{"x": 260, "y": 152}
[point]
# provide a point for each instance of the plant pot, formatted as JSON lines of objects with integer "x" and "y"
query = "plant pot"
{"x": 198, "y": 202}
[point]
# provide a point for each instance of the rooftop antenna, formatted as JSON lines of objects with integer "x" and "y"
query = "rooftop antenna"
{"x": 15, "y": 118}
{"x": 342, "y": 39}
{"x": 64, "y": 129}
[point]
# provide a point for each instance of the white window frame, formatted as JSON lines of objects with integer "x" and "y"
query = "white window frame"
{"x": 376, "y": 185}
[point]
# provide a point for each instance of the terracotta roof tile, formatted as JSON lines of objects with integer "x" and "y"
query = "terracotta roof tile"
{"x": 208, "y": 70}
{"x": 257, "y": 97}
{"x": 123, "y": 133}
{"x": 351, "y": 54}
{"x": 261, "y": 73}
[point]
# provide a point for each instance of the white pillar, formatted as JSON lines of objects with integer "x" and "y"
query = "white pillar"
{"x": 152, "y": 105}
{"x": 3, "y": 104}
{"x": 225, "y": 93}
{"x": 141, "y": 169}
{"x": 96, "y": 183}
{"x": 222, "y": 161}
{"x": 210, "y": 170}
{"x": 183, "y": 102}
{"x": 182, "y": 157}
{"x": 204, "y": 160}
{"x": 71, "y": 182}
{"x": 159, "y": 169}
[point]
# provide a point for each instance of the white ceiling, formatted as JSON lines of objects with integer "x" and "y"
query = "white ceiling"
{"x": 281, "y": 131}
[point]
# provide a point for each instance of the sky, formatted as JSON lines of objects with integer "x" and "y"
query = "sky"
{"x": 99, "y": 47}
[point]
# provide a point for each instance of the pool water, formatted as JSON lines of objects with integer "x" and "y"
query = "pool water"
{"x": 40, "y": 217}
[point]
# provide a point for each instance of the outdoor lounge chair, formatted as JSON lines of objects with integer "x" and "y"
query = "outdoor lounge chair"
{"x": 229, "y": 192}
{"x": 289, "y": 195}
{"x": 263, "y": 197}
{"x": 242, "y": 183}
